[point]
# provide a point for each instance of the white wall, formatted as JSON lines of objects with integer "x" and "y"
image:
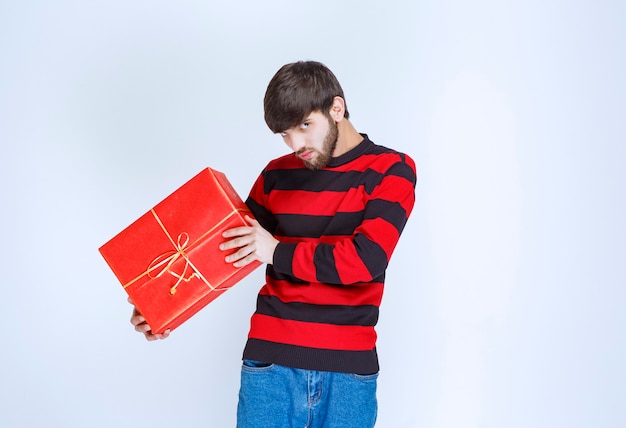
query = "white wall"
{"x": 505, "y": 299}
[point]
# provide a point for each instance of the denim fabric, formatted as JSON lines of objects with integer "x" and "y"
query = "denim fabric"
{"x": 273, "y": 396}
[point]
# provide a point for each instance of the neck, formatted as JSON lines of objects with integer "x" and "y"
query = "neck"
{"x": 347, "y": 139}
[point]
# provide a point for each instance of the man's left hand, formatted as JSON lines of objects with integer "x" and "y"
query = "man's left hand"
{"x": 253, "y": 243}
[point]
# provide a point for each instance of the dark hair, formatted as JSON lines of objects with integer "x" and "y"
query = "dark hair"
{"x": 298, "y": 89}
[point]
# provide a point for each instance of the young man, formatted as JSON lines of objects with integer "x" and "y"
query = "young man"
{"x": 327, "y": 219}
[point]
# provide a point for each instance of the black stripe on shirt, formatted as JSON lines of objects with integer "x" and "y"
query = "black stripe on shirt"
{"x": 403, "y": 170}
{"x": 372, "y": 255}
{"x": 391, "y": 212}
{"x": 361, "y": 362}
{"x": 363, "y": 315}
{"x": 314, "y": 226}
{"x": 324, "y": 261}
{"x": 340, "y": 224}
{"x": 320, "y": 181}
{"x": 262, "y": 214}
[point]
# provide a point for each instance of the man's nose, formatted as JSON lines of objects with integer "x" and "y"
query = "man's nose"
{"x": 296, "y": 142}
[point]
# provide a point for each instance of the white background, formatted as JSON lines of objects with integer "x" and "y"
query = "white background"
{"x": 505, "y": 298}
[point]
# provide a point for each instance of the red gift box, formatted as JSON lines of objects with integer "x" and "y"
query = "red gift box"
{"x": 169, "y": 261}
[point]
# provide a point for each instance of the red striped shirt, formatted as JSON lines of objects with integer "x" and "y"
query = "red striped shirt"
{"x": 337, "y": 228}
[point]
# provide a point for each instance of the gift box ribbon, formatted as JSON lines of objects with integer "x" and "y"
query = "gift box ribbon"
{"x": 166, "y": 260}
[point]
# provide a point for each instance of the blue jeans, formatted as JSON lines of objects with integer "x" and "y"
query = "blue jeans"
{"x": 273, "y": 396}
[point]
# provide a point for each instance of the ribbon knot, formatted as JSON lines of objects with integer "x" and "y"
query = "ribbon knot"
{"x": 164, "y": 262}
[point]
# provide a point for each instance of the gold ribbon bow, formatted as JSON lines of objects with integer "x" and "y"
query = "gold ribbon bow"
{"x": 167, "y": 259}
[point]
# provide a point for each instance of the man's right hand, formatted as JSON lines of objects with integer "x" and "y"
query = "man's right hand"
{"x": 142, "y": 326}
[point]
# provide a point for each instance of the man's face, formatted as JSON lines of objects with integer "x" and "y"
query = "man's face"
{"x": 314, "y": 140}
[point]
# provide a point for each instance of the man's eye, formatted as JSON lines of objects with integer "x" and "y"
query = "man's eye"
{"x": 304, "y": 125}
{"x": 282, "y": 134}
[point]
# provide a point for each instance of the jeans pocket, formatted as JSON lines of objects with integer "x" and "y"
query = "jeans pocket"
{"x": 364, "y": 378}
{"x": 256, "y": 366}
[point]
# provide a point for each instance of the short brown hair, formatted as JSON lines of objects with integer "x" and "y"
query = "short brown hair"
{"x": 298, "y": 89}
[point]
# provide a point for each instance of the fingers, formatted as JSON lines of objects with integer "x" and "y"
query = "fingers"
{"x": 237, "y": 242}
{"x": 252, "y": 221}
{"x": 244, "y": 239}
{"x": 242, "y": 257}
{"x": 137, "y": 319}
{"x": 242, "y": 230}
{"x": 144, "y": 329}
{"x": 151, "y": 337}
{"x": 141, "y": 326}
{"x": 250, "y": 243}
{"x": 244, "y": 244}
{"x": 237, "y": 231}
{"x": 246, "y": 260}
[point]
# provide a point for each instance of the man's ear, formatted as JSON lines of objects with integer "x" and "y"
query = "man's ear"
{"x": 337, "y": 109}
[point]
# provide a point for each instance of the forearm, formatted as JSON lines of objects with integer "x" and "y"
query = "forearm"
{"x": 348, "y": 261}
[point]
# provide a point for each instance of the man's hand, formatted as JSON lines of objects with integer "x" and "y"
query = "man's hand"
{"x": 142, "y": 326}
{"x": 254, "y": 243}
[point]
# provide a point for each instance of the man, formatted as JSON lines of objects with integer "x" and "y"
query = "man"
{"x": 327, "y": 218}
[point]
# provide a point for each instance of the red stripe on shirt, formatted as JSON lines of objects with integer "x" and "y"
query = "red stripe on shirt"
{"x": 316, "y": 203}
{"x": 386, "y": 234}
{"x": 312, "y": 335}
{"x": 322, "y": 294}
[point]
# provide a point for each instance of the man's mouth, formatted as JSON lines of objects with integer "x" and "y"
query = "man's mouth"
{"x": 306, "y": 155}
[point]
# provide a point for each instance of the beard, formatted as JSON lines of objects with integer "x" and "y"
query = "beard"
{"x": 325, "y": 155}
